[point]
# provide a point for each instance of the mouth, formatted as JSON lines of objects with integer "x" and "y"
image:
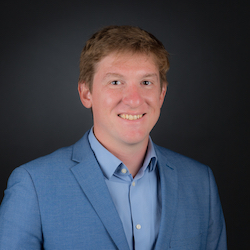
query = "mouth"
{"x": 131, "y": 117}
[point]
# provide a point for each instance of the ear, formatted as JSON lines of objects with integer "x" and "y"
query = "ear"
{"x": 163, "y": 92}
{"x": 85, "y": 95}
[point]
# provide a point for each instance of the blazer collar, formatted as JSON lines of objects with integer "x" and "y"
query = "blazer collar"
{"x": 169, "y": 193}
{"x": 91, "y": 180}
{"x": 90, "y": 177}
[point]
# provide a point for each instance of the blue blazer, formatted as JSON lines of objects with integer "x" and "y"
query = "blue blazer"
{"x": 61, "y": 201}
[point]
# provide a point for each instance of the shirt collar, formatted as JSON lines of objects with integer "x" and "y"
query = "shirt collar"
{"x": 109, "y": 163}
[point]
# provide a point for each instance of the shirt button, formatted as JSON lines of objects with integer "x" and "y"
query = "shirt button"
{"x": 124, "y": 170}
{"x": 133, "y": 183}
{"x": 138, "y": 226}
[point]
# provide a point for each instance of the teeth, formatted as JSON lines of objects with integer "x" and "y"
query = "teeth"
{"x": 130, "y": 117}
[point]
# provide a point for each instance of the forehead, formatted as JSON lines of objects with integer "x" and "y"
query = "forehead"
{"x": 130, "y": 62}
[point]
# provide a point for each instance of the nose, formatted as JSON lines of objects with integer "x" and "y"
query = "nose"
{"x": 132, "y": 96}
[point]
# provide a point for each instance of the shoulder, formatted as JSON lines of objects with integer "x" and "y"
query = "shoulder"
{"x": 183, "y": 165}
{"x": 60, "y": 161}
{"x": 59, "y": 158}
{"x": 191, "y": 176}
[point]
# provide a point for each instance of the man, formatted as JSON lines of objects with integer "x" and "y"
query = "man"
{"x": 114, "y": 188}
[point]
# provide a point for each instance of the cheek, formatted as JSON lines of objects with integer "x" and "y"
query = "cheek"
{"x": 109, "y": 101}
{"x": 111, "y": 98}
{"x": 154, "y": 99}
{"x": 103, "y": 102}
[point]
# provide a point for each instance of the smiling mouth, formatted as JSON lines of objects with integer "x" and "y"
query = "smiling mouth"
{"x": 130, "y": 117}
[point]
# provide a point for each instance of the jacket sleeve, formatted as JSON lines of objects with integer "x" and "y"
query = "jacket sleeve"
{"x": 20, "y": 222}
{"x": 216, "y": 238}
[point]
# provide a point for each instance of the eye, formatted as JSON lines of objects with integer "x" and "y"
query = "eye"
{"x": 146, "y": 83}
{"x": 115, "y": 82}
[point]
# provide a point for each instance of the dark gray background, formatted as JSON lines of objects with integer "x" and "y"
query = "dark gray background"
{"x": 205, "y": 114}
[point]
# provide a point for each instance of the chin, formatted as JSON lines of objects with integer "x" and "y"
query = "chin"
{"x": 135, "y": 138}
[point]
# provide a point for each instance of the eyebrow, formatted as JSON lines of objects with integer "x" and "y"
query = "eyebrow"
{"x": 112, "y": 74}
{"x": 119, "y": 75}
{"x": 151, "y": 75}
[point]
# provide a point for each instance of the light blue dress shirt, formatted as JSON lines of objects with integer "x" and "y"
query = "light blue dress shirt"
{"x": 138, "y": 199}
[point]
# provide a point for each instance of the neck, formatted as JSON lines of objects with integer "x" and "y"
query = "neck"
{"x": 132, "y": 155}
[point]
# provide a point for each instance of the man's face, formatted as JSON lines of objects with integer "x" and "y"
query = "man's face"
{"x": 126, "y": 98}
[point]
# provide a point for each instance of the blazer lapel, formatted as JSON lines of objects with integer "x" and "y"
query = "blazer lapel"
{"x": 169, "y": 193}
{"x": 91, "y": 179}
